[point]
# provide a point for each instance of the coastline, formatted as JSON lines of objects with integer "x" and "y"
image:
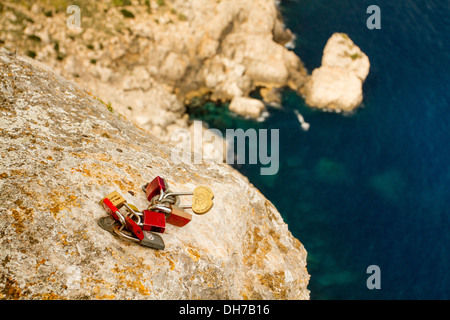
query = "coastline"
{"x": 148, "y": 61}
{"x": 117, "y": 81}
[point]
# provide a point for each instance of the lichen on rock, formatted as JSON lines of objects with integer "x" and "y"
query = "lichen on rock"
{"x": 62, "y": 150}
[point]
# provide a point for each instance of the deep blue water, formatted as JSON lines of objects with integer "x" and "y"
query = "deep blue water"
{"x": 372, "y": 188}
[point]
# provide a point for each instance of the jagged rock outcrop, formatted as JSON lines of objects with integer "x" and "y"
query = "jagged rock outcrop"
{"x": 148, "y": 58}
{"x": 337, "y": 84}
{"x": 62, "y": 151}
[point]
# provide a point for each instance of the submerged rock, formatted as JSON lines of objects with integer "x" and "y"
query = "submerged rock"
{"x": 62, "y": 151}
{"x": 390, "y": 185}
{"x": 337, "y": 84}
{"x": 333, "y": 172}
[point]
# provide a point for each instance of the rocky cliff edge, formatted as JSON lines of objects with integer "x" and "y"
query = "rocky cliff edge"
{"x": 62, "y": 151}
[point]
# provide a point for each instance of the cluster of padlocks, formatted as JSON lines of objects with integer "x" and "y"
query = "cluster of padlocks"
{"x": 164, "y": 207}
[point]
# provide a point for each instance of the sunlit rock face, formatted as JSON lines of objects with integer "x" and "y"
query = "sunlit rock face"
{"x": 148, "y": 58}
{"x": 337, "y": 84}
{"x": 62, "y": 151}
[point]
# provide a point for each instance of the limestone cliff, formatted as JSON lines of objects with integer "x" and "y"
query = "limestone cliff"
{"x": 148, "y": 58}
{"x": 62, "y": 151}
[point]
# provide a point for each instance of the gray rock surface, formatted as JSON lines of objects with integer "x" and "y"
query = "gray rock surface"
{"x": 62, "y": 151}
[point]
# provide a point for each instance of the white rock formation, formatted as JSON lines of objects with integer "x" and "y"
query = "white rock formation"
{"x": 337, "y": 84}
{"x": 62, "y": 151}
{"x": 247, "y": 106}
{"x": 305, "y": 125}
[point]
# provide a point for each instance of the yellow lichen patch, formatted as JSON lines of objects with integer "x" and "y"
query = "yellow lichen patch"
{"x": 49, "y": 296}
{"x": 275, "y": 283}
{"x": 164, "y": 254}
{"x": 160, "y": 254}
{"x": 129, "y": 270}
{"x": 270, "y": 210}
{"x": 276, "y": 237}
{"x": 139, "y": 127}
{"x": 39, "y": 263}
{"x": 249, "y": 292}
{"x": 193, "y": 253}
{"x": 128, "y": 276}
{"x": 105, "y": 297}
{"x": 211, "y": 276}
{"x": 255, "y": 248}
{"x": 11, "y": 289}
{"x": 162, "y": 153}
{"x": 102, "y": 285}
{"x": 19, "y": 224}
{"x": 59, "y": 199}
{"x": 64, "y": 239}
{"x": 22, "y": 215}
{"x": 102, "y": 157}
{"x": 104, "y": 175}
{"x": 139, "y": 286}
{"x": 172, "y": 264}
{"x": 244, "y": 296}
{"x": 133, "y": 172}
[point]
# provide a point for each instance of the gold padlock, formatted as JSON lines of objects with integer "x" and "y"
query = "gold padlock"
{"x": 117, "y": 200}
{"x": 202, "y": 200}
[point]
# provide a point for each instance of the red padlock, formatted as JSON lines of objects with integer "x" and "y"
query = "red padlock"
{"x": 153, "y": 221}
{"x": 112, "y": 210}
{"x": 134, "y": 228}
{"x": 178, "y": 217}
{"x": 155, "y": 187}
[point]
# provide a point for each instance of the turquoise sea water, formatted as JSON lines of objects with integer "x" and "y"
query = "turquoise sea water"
{"x": 372, "y": 188}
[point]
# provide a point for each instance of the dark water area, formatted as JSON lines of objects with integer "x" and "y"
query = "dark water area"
{"x": 371, "y": 188}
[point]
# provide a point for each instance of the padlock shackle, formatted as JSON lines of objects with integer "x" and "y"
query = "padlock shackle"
{"x": 121, "y": 217}
{"x": 161, "y": 207}
{"x": 176, "y": 194}
{"x": 129, "y": 208}
{"x": 118, "y": 230}
{"x": 155, "y": 187}
{"x": 137, "y": 214}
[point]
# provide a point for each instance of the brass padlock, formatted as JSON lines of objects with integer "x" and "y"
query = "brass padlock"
{"x": 117, "y": 200}
{"x": 202, "y": 200}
